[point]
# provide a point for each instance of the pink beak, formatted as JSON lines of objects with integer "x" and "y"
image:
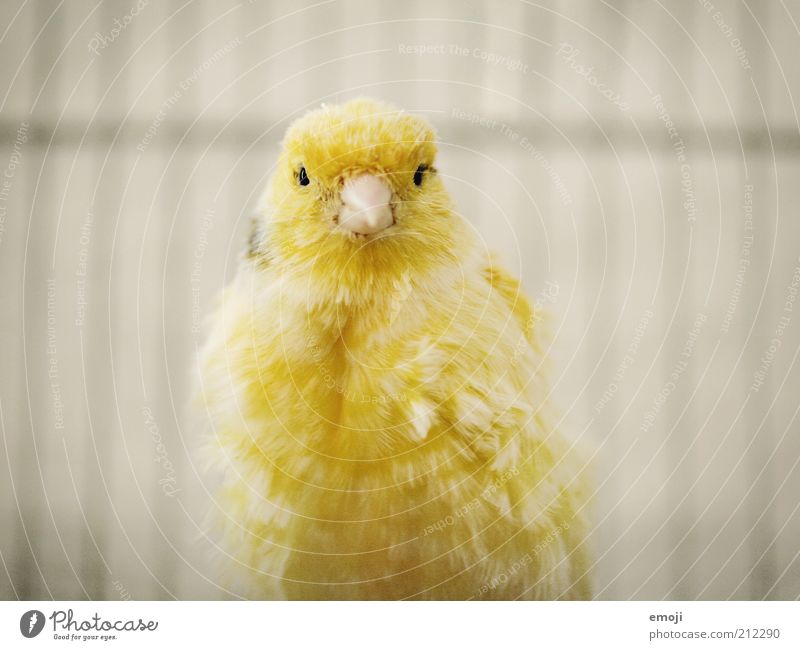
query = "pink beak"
{"x": 366, "y": 205}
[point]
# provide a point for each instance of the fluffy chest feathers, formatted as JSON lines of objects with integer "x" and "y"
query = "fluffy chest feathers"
{"x": 357, "y": 384}
{"x": 409, "y": 438}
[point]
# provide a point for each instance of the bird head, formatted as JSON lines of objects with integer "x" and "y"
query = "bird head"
{"x": 356, "y": 202}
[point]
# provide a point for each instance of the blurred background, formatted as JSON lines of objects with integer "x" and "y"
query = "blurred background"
{"x": 637, "y": 164}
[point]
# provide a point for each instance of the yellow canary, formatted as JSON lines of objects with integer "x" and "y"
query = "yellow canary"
{"x": 377, "y": 390}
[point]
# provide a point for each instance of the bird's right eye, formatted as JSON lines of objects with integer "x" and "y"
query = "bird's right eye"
{"x": 419, "y": 174}
{"x": 302, "y": 177}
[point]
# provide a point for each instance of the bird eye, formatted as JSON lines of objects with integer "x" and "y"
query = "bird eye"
{"x": 302, "y": 177}
{"x": 418, "y": 174}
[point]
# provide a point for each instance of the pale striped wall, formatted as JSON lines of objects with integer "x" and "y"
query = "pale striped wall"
{"x": 146, "y": 229}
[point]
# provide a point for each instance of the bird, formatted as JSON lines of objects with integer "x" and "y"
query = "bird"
{"x": 380, "y": 421}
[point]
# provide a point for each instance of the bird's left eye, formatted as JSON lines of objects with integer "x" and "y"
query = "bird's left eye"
{"x": 419, "y": 174}
{"x": 302, "y": 177}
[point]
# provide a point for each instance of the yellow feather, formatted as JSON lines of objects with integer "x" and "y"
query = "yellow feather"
{"x": 381, "y": 422}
